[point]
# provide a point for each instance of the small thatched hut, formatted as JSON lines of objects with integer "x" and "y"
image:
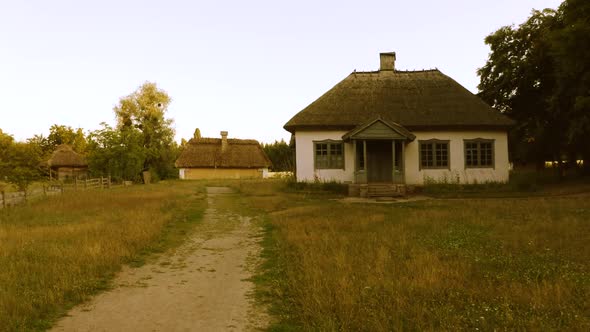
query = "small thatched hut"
{"x": 65, "y": 163}
{"x": 214, "y": 158}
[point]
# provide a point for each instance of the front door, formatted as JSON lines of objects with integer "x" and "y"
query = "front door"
{"x": 379, "y": 161}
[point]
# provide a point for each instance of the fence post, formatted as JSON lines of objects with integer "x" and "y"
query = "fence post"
{"x": 109, "y": 182}
{"x": 44, "y": 191}
{"x": 3, "y": 199}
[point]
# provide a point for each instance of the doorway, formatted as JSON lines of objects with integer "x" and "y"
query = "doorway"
{"x": 379, "y": 161}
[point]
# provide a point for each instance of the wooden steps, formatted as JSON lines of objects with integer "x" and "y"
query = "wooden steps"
{"x": 374, "y": 190}
{"x": 384, "y": 190}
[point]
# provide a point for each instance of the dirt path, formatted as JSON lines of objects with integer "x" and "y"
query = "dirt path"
{"x": 200, "y": 287}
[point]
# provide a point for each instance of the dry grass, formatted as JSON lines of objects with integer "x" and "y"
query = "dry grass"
{"x": 516, "y": 264}
{"x": 57, "y": 252}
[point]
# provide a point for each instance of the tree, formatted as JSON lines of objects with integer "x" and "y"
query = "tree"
{"x": 281, "y": 155}
{"x": 41, "y": 143}
{"x": 145, "y": 110}
{"x": 118, "y": 153}
{"x": 197, "y": 134}
{"x": 517, "y": 78}
{"x": 571, "y": 50}
{"x": 539, "y": 74}
{"x": 19, "y": 162}
{"x": 25, "y": 165}
{"x": 6, "y": 144}
{"x": 60, "y": 134}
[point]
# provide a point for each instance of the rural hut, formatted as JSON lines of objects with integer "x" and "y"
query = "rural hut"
{"x": 65, "y": 164}
{"x": 222, "y": 158}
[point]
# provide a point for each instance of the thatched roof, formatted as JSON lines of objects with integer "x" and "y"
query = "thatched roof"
{"x": 65, "y": 156}
{"x": 206, "y": 152}
{"x": 425, "y": 99}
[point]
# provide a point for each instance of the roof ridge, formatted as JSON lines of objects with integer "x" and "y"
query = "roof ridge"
{"x": 215, "y": 140}
{"x": 397, "y": 71}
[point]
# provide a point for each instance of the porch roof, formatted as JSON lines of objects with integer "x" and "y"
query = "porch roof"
{"x": 379, "y": 129}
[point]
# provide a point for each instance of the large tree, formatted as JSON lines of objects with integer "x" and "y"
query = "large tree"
{"x": 538, "y": 74}
{"x": 570, "y": 47}
{"x": 517, "y": 78}
{"x": 145, "y": 111}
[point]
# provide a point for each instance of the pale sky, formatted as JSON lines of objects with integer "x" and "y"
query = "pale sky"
{"x": 242, "y": 66}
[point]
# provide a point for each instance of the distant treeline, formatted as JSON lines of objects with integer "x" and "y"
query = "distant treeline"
{"x": 143, "y": 139}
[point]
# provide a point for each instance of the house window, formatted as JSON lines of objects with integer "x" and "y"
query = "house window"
{"x": 479, "y": 153}
{"x": 434, "y": 154}
{"x": 329, "y": 155}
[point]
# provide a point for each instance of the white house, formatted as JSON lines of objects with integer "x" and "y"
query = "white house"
{"x": 400, "y": 127}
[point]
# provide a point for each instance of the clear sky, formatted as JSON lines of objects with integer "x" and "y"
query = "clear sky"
{"x": 242, "y": 66}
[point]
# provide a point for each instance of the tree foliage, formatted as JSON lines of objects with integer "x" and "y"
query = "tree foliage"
{"x": 571, "y": 51}
{"x": 60, "y": 134}
{"x": 19, "y": 162}
{"x": 538, "y": 74}
{"x": 281, "y": 155}
{"x": 114, "y": 152}
{"x": 144, "y": 110}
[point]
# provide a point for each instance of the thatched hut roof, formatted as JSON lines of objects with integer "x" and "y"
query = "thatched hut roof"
{"x": 425, "y": 99}
{"x": 207, "y": 152}
{"x": 65, "y": 156}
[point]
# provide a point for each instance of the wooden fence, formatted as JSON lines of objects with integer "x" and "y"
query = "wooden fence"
{"x": 13, "y": 198}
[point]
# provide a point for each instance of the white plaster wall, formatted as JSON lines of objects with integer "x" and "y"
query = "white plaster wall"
{"x": 458, "y": 172}
{"x": 305, "y": 156}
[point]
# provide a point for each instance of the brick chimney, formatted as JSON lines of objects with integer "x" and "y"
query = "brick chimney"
{"x": 387, "y": 61}
{"x": 223, "y": 141}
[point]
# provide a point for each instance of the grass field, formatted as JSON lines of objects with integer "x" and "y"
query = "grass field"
{"x": 58, "y": 251}
{"x": 519, "y": 263}
{"x": 451, "y": 264}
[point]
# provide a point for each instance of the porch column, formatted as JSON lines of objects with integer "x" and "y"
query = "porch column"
{"x": 365, "y": 159}
{"x": 402, "y": 162}
{"x": 393, "y": 157}
{"x": 356, "y": 166}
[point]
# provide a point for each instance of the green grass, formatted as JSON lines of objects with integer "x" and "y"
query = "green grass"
{"x": 461, "y": 264}
{"x": 57, "y": 252}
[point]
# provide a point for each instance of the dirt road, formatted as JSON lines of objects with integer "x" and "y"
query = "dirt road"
{"x": 202, "y": 286}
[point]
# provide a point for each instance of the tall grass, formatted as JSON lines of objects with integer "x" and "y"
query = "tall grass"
{"x": 516, "y": 264}
{"x": 57, "y": 252}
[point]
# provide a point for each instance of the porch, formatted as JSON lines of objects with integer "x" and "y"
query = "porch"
{"x": 379, "y": 167}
